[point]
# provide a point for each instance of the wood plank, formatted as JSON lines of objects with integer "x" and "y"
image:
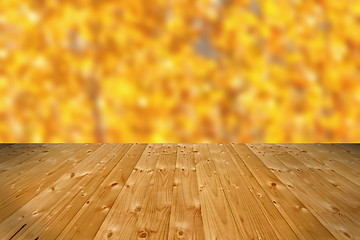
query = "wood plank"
{"x": 341, "y": 167}
{"x": 344, "y": 186}
{"x": 353, "y": 148}
{"x": 179, "y": 191}
{"x": 5, "y": 145}
{"x": 247, "y": 213}
{"x": 18, "y": 148}
{"x": 347, "y": 202}
{"x": 15, "y": 174}
{"x": 354, "y": 155}
{"x": 274, "y": 217}
{"x": 325, "y": 205}
{"x": 301, "y": 220}
{"x": 11, "y": 149}
{"x": 16, "y": 190}
{"x": 218, "y": 220}
{"x": 20, "y": 191}
{"x": 154, "y": 216}
{"x": 336, "y": 153}
{"x": 101, "y": 201}
{"x": 51, "y": 226}
{"x": 186, "y": 221}
{"x": 45, "y": 204}
{"x": 122, "y": 217}
{"x": 22, "y": 155}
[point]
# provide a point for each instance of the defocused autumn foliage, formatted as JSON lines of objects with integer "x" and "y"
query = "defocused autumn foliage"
{"x": 179, "y": 70}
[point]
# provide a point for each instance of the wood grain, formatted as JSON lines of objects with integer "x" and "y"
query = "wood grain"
{"x": 247, "y": 212}
{"x": 154, "y": 216}
{"x": 64, "y": 188}
{"x": 274, "y": 217}
{"x": 304, "y": 224}
{"x": 51, "y": 225}
{"x": 45, "y": 168}
{"x": 180, "y": 191}
{"x": 101, "y": 201}
{"x": 185, "y": 220}
{"x": 122, "y": 217}
{"x": 340, "y": 164}
{"x": 327, "y": 206}
{"x": 219, "y": 222}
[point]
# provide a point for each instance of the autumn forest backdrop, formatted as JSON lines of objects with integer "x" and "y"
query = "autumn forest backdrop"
{"x": 179, "y": 71}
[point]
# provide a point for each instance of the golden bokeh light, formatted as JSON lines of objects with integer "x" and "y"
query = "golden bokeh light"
{"x": 179, "y": 71}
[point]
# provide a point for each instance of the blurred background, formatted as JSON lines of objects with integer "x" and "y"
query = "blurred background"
{"x": 179, "y": 71}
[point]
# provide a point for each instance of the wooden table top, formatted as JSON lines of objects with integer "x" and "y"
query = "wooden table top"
{"x": 180, "y": 191}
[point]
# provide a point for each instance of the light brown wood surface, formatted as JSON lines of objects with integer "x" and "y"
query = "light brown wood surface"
{"x": 180, "y": 191}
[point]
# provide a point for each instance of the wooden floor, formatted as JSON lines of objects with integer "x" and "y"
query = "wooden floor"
{"x": 180, "y": 191}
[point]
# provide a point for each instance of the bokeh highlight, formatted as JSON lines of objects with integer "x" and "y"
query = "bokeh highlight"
{"x": 179, "y": 71}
